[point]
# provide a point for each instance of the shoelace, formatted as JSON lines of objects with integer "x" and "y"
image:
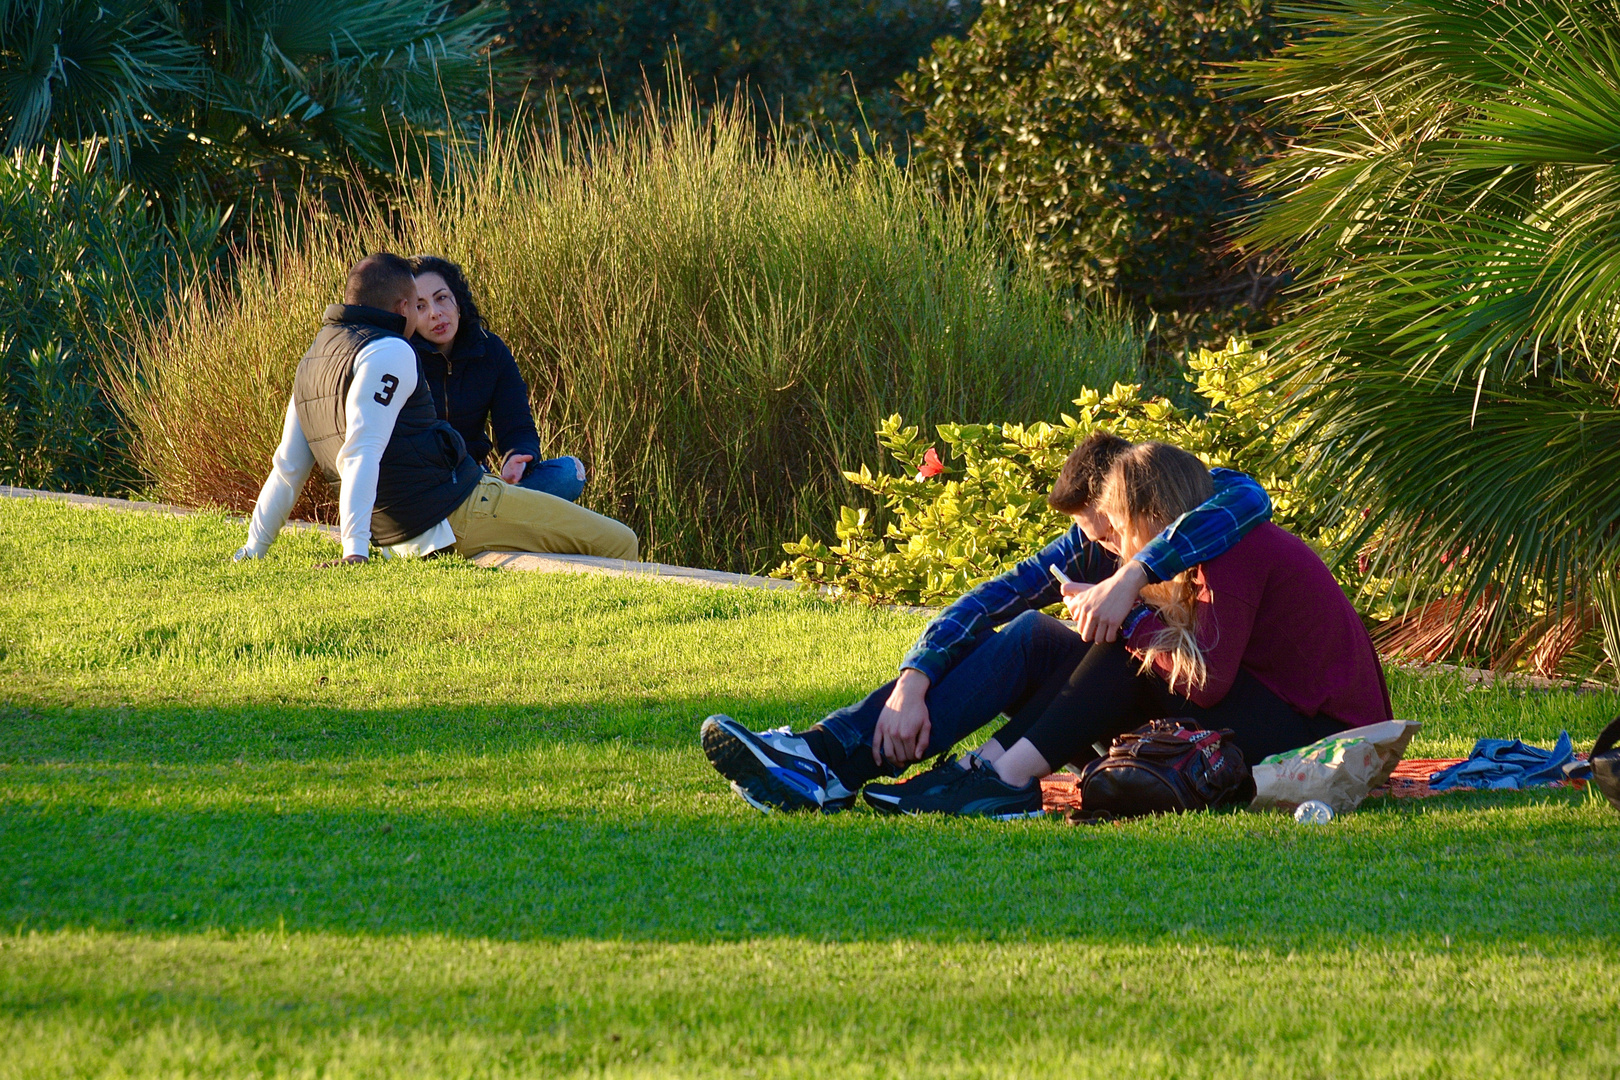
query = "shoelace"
{"x": 977, "y": 766}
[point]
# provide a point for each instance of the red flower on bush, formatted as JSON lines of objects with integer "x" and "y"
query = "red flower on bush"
{"x": 931, "y": 465}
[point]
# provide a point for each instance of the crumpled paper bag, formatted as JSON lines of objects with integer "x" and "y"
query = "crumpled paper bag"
{"x": 1338, "y": 770}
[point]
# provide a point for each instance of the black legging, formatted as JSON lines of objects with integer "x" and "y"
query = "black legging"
{"x": 1107, "y": 695}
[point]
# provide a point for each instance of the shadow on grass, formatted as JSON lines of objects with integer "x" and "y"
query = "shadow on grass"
{"x": 351, "y": 821}
{"x": 1541, "y": 871}
{"x": 313, "y": 731}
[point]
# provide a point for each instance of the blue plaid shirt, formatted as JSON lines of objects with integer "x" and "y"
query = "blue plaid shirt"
{"x": 1238, "y": 505}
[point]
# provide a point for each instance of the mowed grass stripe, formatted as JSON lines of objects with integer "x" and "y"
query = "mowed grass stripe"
{"x": 289, "y": 1004}
{"x": 595, "y": 861}
{"x": 130, "y": 636}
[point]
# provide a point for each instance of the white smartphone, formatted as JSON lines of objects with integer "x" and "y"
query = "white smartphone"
{"x": 1063, "y": 579}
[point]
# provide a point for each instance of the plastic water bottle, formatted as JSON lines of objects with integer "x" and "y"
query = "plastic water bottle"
{"x": 1313, "y": 812}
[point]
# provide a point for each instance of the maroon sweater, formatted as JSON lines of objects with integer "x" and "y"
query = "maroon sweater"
{"x": 1271, "y": 607}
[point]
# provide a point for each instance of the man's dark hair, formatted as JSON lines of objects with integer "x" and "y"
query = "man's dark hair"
{"x": 1080, "y": 481}
{"x": 380, "y": 281}
{"x": 471, "y": 320}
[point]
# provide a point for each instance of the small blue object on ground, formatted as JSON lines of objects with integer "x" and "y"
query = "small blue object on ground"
{"x": 1506, "y": 764}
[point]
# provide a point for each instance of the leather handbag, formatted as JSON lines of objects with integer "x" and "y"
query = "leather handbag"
{"x": 1605, "y": 763}
{"x": 1164, "y": 767}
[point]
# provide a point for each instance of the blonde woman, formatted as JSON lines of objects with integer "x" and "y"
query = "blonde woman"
{"x": 1260, "y": 639}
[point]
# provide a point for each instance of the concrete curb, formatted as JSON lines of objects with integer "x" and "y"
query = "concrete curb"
{"x": 1522, "y": 680}
{"x": 592, "y": 564}
{"x": 141, "y": 507}
{"x": 531, "y": 561}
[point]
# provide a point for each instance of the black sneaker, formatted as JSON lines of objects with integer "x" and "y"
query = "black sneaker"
{"x": 977, "y": 792}
{"x": 772, "y": 770}
{"x": 888, "y": 798}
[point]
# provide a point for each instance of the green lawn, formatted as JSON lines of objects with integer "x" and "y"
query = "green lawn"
{"x": 421, "y": 819}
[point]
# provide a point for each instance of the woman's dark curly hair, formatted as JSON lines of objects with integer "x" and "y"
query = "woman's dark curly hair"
{"x": 471, "y": 322}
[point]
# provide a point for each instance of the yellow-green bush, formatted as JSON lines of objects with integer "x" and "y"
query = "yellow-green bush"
{"x": 988, "y": 509}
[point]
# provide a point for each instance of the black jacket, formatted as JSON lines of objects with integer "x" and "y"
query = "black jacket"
{"x": 480, "y": 391}
{"x": 425, "y": 473}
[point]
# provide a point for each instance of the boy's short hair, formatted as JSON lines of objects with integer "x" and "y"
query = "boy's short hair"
{"x": 380, "y": 281}
{"x": 1080, "y": 481}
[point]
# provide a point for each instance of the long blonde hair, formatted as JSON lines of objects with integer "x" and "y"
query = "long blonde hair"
{"x": 1151, "y": 485}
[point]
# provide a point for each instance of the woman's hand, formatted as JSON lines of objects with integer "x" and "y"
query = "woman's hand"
{"x": 1099, "y": 611}
{"x": 512, "y": 467}
{"x": 903, "y": 727}
{"x": 1072, "y": 592}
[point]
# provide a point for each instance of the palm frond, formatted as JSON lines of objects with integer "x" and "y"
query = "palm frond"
{"x": 1454, "y": 344}
{"x": 226, "y": 97}
{"x": 77, "y": 70}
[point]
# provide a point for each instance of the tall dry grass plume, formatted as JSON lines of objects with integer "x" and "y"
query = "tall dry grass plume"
{"x": 714, "y": 325}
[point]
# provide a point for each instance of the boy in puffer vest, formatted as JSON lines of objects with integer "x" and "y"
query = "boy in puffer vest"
{"x": 362, "y": 411}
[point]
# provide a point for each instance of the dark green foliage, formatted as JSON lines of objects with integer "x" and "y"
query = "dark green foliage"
{"x": 193, "y": 103}
{"x": 1105, "y": 138}
{"x": 228, "y": 99}
{"x": 804, "y": 63}
{"x": 80, "y": 261}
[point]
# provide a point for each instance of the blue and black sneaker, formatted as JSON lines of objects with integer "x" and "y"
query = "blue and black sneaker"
{"x": 947, "y": 788}
{"x": 888, "y": 798}
{"x": 772, "y": 770}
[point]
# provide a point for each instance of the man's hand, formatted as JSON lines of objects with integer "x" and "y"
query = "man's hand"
{"x": 1099, "y": 611}
{"x": 347, "y": 560}
{"x": 1072, "y": 592}
{"x": 512, "y": 470}
{"x": 903, "y": 727}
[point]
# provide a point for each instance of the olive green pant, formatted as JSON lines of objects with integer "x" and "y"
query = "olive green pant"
{"x": 499, "y": 516}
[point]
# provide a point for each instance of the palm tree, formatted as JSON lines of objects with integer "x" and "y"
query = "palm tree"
{"x": 224, "y": 97}
{"x": 1454, "y": 211}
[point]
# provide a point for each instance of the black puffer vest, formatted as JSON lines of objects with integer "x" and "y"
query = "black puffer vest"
{"x": 425, "y": 472}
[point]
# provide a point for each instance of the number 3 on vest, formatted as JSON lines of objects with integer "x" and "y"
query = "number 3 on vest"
{"x": 390, "y": 384}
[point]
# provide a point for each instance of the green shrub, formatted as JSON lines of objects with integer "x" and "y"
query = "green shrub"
{"x": 713, "y": 327}
{"x": 988, "y": 509}
{"x": 1099, "y": 129}
{"x": 80, "y": 259}
{"x": 804, "y": 62}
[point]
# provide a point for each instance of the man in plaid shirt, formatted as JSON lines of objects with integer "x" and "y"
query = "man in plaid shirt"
{"x": 961, "y": 673}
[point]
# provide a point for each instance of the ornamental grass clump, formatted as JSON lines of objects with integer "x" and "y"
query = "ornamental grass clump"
{"x": 711, "y": 323}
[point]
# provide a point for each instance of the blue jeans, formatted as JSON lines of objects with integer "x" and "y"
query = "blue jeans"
{"x": 1016, "y": 672}
{"x": 563, "y": 477}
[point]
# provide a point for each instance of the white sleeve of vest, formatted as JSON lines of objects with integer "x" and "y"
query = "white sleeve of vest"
{"x": 289, "y": 468}
{"x": 384, "y": 377}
